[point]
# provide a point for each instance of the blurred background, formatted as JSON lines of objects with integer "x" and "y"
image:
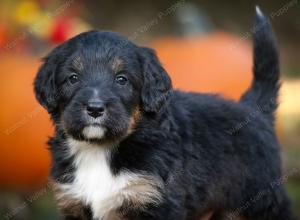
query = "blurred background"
{"x": 205, "y": 46}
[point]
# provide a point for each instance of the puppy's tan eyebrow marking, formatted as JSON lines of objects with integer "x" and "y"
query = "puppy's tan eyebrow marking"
{"x": 117, "y": 65}
{"x": 77, "y": 63}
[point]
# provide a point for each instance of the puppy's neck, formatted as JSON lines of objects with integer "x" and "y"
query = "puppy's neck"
{"x": 76, "y": 147}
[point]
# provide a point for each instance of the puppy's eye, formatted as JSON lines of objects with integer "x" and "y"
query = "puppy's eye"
{"x": 73, "y": 79}
{"x": 120, "y": 79}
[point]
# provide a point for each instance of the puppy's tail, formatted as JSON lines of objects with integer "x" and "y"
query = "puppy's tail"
{"x": 265, "y": 85}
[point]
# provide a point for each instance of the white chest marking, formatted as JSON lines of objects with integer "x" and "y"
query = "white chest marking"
{"x": 95, "y": 185}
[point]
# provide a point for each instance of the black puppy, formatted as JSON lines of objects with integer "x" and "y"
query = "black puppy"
{"x": 127, "y": 146}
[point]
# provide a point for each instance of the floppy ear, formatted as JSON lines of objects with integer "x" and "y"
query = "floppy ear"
{"x": 44, "y": 83}
{"x": 157, "y": 82}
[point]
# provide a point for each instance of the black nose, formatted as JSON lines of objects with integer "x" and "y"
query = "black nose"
{"x": 95, "y": 108}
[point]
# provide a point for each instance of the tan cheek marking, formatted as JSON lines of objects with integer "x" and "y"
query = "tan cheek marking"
{"x": 135, "y": 117}
{"x": 117, "y": 65}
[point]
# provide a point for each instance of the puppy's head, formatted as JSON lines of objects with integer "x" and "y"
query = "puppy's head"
{"x": 97, "y": 85}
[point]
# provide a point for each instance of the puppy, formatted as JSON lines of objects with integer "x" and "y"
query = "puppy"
{"x": 128, "y": 146}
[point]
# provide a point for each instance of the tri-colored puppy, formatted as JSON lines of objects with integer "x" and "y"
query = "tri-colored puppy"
{"x": 128, "y": 146}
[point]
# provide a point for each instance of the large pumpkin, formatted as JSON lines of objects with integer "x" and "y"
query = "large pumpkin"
{"x": 24, "y": 125}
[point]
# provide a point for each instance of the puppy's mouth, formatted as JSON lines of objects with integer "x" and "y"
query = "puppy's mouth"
{"x": 94, "y": 128}
{"x": 94, "y": 131}
{"x": 101, "y": 130}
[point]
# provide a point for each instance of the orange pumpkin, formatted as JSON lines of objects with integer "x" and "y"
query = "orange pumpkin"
{"x": 24, "y": 125}
{"x": 216, "y": 62}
